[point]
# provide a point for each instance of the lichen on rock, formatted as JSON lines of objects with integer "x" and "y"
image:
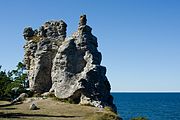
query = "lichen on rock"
{"x": 70, "y": 67}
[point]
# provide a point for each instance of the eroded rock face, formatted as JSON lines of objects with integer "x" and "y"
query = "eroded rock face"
{"x": 69, "y": 67}
{"x": 40, "y": 50}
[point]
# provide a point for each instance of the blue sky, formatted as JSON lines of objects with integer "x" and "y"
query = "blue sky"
{"x": 139, "y": 39}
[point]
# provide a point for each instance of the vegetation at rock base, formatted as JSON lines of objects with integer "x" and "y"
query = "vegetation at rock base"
{"x": 68, "y": 100}
{"x": 12, "y": 83}
{"x": 103, "y": 116}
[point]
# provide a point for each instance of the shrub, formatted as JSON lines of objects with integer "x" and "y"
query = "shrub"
{"x": 107, "y": 108}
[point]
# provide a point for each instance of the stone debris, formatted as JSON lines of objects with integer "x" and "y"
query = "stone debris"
{"x": 20, "y": 98}
{"x": 33, "y": 107}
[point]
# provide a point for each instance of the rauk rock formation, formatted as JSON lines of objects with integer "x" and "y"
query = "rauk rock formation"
{"x": 69, "y": 67}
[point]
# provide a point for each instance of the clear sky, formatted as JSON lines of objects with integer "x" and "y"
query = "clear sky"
{"x": 139, "y": 39}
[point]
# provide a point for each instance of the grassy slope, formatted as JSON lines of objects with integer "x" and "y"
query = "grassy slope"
{"x": 54, "y": 110}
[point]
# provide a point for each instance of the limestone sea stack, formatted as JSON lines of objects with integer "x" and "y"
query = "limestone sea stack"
{"x": 68, "y": 67}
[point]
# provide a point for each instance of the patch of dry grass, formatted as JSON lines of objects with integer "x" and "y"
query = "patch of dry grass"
{"x": 54, "y": 110}
{"x": 103, "y": 116}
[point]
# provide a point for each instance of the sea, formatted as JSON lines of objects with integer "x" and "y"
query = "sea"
{"x": 153, "y": 106}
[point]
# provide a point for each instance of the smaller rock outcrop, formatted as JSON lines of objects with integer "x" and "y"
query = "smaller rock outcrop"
{"x": 33, "y": 106}
{"x": 20, "y": 98}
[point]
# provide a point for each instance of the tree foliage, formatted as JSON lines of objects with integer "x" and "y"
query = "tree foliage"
{"x": 14, "y": 82}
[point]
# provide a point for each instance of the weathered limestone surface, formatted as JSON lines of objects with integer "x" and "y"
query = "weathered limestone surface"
{"x": 40, "y": 50}
{"x": 69, "y": 67}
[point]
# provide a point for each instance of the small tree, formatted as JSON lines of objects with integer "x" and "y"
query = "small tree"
{"x": 19, "y": 75}
{"x": 4, "y": 82}
{"x": 13, "y": 82}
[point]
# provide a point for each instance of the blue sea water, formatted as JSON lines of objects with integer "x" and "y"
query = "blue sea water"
{"x": 154, "y": 106}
